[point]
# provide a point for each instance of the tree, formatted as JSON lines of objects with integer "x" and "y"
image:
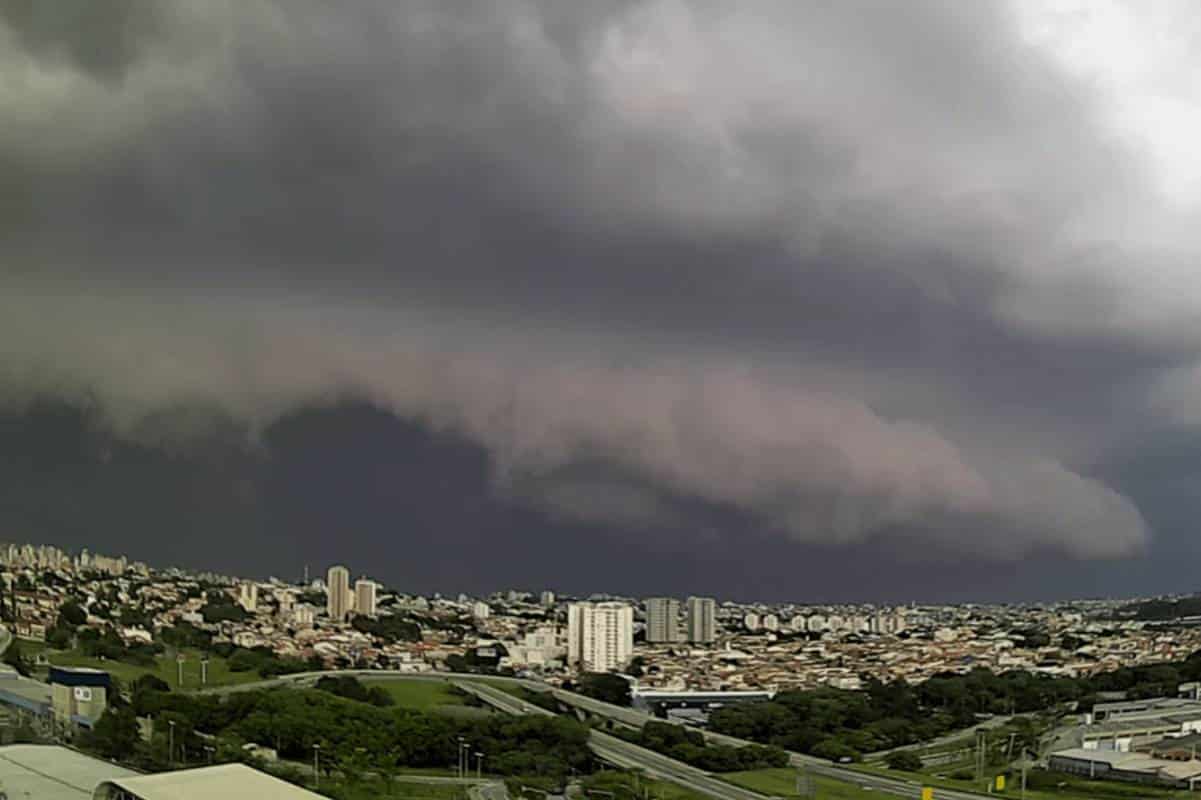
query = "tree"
{"x": 606, "y": 687}
{"x": 116, "y": 733}
{"x": 150, "y": 682}
{"x": 223, "y": 610}
{"x": 637, "y": 667}
{"x": 71, "y": 613}
{"x": 903, "y": 760}
{"x": 59, "y": 637}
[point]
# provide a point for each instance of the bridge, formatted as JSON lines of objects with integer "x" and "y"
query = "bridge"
{"x": 620, "y": 752}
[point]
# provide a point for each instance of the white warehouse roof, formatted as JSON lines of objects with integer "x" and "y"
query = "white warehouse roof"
{"x": 223, "y": 782}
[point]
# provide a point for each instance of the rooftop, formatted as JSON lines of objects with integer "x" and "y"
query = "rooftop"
{"x": 223, "y": 782}
{"x": 46, "y": 772}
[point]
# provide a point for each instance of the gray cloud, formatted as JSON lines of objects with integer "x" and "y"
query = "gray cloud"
{"x": 833, "y": 266}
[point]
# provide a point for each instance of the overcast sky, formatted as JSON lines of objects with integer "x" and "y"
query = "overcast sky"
{"x": 775, "y": 299}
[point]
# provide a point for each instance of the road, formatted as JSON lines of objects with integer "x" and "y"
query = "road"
{"x": 949, "y": 738}
{"x": 629, "y": 716}
{"x": 620, "y": 752}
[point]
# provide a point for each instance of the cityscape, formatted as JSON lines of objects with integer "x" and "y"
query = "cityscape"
{"x": 80, "y": 620}
{"x": 600, "y": 400}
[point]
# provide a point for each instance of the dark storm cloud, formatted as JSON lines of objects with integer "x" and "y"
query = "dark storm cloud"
{"x": 790, "y": 259}
{"x": 102, "y": 39}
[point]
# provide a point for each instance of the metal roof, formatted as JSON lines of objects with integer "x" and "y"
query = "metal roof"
{"x": 222, "y": 782}
{"x": 47, "y": 772}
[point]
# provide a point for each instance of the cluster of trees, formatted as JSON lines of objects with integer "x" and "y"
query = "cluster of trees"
{"x": 687, "y": 745}
{"x": 108, "y": 644}
{"x": 1163, "y": 609}
{"x": 604, "y": 686}
{"x": 221, "y": 608}
{"x": 70, "y": 616}
{"x": 905, "y": 760}
{"x": 352, "y": 689}
{"x": 388, "y": 628}
{"x": 383, "y": 738}
{"x": 472, "y": 661}
{"x": 833, "y": 723}
{"x": 185, "y": 634}
{"x": 261, "y": 660}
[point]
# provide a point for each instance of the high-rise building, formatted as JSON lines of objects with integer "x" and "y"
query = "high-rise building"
{"x": 600, "y": 636}
{"x": 481, "y": 610}
{"x": 338, "y": 597}
{"x": 364, "y": 597}
{"x": 770, "y": 622}
{"x": 248, "y": 596}
{"x": 547, "y": 599}
{"x": 702, "y": 620}
{"x": 662, "y": 620}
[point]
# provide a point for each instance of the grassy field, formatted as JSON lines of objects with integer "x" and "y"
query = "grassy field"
{"x": 417, "y": 694}
{"x": 783, "y": 783}
{"x": 218, "y": 669}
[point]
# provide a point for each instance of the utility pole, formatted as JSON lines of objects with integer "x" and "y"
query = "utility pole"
{"x": 170, "y": 741}
{"x": 479, "y": 765}
{"x": 316, "y": 767}
{"x": 204, "y": 671}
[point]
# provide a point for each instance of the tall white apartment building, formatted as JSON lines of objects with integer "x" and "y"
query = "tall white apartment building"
{"x": 338, "y": 598}
{"x": 702, "y": 620}
{"x": 600, "y": 636}
{"x": 662, "y": 620}
{"x": 364, "y": 597}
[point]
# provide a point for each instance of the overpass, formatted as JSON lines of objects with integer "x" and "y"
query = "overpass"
{"x": 619, "y": 752}
{"x": 651, "y": 763}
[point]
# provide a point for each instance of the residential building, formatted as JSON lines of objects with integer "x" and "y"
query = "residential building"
{"x": 248, "y": 596}
{"x": 662, "y": 620}
{"x": 600, "y": 636}
{"x": 338, "y": 600}
{"x": 702, "y": 620}
{"x": 364, "y": 597}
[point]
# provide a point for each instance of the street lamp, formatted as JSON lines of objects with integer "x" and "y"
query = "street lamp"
{"x": 316, "y": 768}
{"x": 208, "y": 748}
{"x": 462, "y": 768}
{"x": 479, "y": 765}
{"x": 171, "y": 741}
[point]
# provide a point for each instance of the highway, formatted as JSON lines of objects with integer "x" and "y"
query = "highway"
{"x": 619, "y": 752}
{"x": 681, "y": 774}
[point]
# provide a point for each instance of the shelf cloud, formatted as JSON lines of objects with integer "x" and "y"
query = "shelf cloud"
{"x": 853, "y": 271}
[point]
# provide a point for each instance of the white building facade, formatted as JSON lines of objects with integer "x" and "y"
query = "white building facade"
{"x": 338, "y": 598}
{"x": 600, "y": 636}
